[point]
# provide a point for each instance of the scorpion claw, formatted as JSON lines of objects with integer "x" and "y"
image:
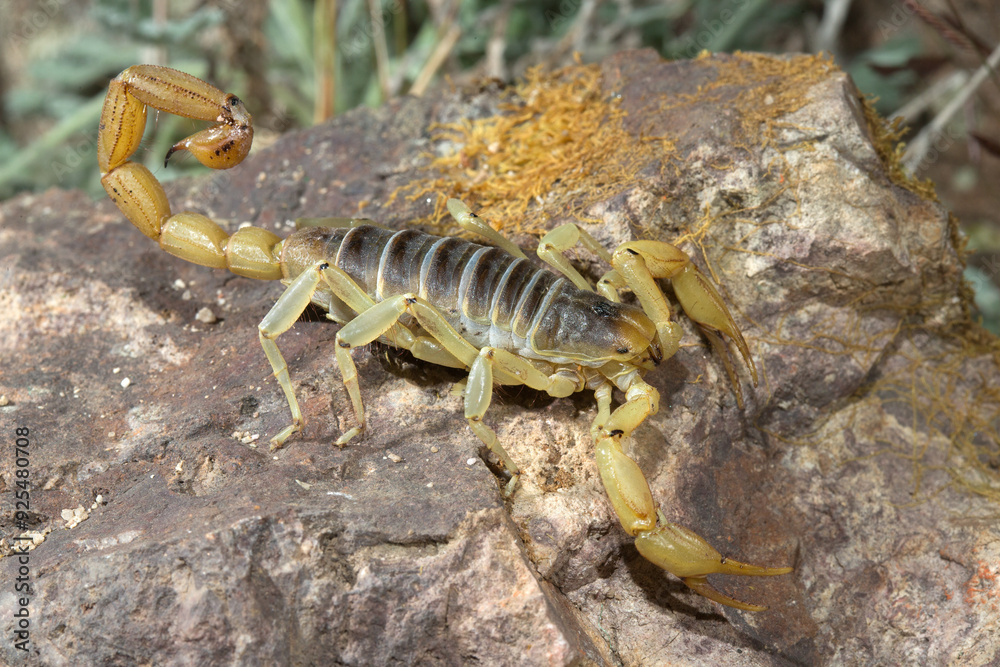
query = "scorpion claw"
{"x": 701, "y": 586}
{"x": 685, "y": 554}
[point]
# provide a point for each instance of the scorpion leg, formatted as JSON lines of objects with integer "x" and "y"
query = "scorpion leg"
{"x": 372, "y": 323}
{"x": 479, "y": 392}
{"x": 398, "y": 335}
{"x": 471, "y": 222}
{"x": 336, "y": 223}
{"x": 345, "y": 288}
{"x": 676, "y": 549}
{"x": 286, "y": 310}
{"x": 562, "y": 238}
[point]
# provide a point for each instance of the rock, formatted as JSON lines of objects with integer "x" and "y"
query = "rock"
{"x": 868, "y": 457}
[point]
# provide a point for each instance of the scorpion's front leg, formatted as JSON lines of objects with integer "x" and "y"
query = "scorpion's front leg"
{"x": 672, "y": 547}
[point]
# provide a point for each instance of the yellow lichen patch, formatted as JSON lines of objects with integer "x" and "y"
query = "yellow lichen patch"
{"x": 559, "y": 146}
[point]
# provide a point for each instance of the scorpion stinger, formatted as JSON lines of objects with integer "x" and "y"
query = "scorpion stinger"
{"x": 448, "y": 301}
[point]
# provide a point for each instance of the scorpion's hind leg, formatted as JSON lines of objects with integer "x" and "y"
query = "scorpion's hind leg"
{"x": 471, "y": 222}
{"x": 286, "y": 310}
{"x": 378, "y": 319}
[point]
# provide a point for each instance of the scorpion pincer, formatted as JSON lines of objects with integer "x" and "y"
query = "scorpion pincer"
{"x": 448, "y": 301}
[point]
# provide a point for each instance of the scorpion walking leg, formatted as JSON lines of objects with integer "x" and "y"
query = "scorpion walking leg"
{"x": 479, "y": 392}
{"x": 421, "y": 347}
{"x": 562, "y": 238}
{"x": 372, "y": 323}
{"x": 471, "y": 222}
{"x": 289, "y": 308}
{"x": 676, "y": 549}
{"x": 286, "y": 310}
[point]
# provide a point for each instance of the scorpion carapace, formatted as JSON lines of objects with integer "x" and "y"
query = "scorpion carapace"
{"x": 448, "y": 301}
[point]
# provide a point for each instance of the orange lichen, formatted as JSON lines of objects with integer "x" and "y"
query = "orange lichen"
{"x": 983, "y": 587}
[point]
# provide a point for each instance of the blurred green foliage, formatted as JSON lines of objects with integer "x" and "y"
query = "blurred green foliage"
{"x": 68, "y": 52}
{"x": 298, "y": 62}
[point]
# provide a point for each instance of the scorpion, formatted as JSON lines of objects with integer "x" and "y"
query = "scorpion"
{"x": 483, "y": 308}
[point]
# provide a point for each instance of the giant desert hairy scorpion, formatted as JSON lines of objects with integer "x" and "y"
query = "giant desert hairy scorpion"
{"x": 486, "y": 309}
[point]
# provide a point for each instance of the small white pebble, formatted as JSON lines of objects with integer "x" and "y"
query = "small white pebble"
{"x": 434, "y": 450}
{"x": 100, "y": 499}
{"x": 395, "y": 458}
{"x": 304, "y": 485}
{"x": 179, "y": 284}
{"x": 206, "y": 316}
{"x": 4, "y": 400}
{"x": 125, "y": 383}
{"x": 179, "y": 468}
{"x": 66, "y": 515}
{"x": 430, "y": 485}
{"x": 186, "y": 296}
{"x": 470, "y": 462}
{"x": 116, "y": 371}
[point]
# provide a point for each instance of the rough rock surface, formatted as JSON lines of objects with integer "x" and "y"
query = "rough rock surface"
{"x": 399, "y": 549}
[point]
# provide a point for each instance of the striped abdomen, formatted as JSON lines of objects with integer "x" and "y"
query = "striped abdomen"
{"x": 489, "y": 296}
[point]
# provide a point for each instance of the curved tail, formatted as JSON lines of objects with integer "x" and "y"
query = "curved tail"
{"x": 251, "y": 251}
